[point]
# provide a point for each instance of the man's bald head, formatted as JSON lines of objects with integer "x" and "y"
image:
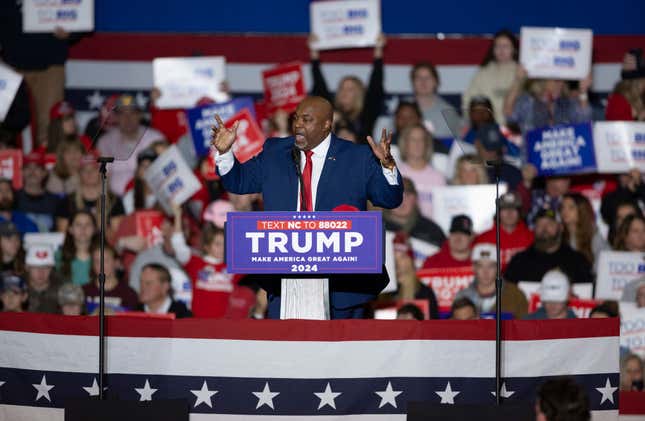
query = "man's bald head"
{"x": 312, "y": 122}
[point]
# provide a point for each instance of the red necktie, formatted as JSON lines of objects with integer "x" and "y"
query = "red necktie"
{"x": 306, "y": 181}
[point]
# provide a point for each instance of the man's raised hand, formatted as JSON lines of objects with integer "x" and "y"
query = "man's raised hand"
{"x": 382, "y": 150}
{"x": 222, "y": 138}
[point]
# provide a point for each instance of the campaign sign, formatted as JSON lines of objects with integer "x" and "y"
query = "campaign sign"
{"x": 304, "y": 242}
{"x": 185, "y": 80}
{"x": 564, "y": 149}
{"x": 145, "y": 224}
{"x": 250, "y": 138}
{"x": 632, "y": 328}
{"x": 202, "y": 119}
{"x": 9, "y": 84}
{"x": 556, "y": 53}
{"x": 345, "y": 23}
{"x": 620, "y": 146}
{"x": 47, "y": 15}
{"x": 477, "y": 201}
{"x": 582, "y": 307}
{"x": 615, "y": 270}
{"x": 11, "y": 166}
{"x": 171, "y": 179}
{"x": 284, "y": 86}
{"x": 446, "y": 282}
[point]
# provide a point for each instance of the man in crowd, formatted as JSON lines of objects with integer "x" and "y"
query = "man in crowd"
{"x": 408, "y": 219}
{"x": 550, "y": 197}
{"x": 482, "y": 290}
{"x": 39, "y": 205}
{"x": 489, "y": 143}
{"x": 155, "y": 295}
{"x": 548, "y": 251}
{"x": 554, "y": 295}
{"x": 455, "y": 252}
{"x": 562, "y": 399}
{"x": 463, "y": 309}
{"x": 334, "y": 172}
{"x": 42, "y": 280}
{"x": 7, "y": 212}
{"x": 514, "y": 235}
{"x": 13, "y": 292}
{"x": 126, "y": 141}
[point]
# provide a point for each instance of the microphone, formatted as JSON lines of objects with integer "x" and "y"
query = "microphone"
{"x": 295, "y": 156}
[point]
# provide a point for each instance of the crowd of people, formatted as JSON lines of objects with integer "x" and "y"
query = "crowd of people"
{"x": 550, "y": 233}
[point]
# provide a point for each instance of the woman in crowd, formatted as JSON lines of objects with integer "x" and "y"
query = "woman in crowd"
{"x": 631, "y": 374}
{"x": 75, "y": 261}
{"x": 62, "y": 126}
{"x": 631, "y": 234}
{"x": 469, "y": 170}
{"x": 118, "y": 294}
{"x": 626, "y": 101}
{"x": 579, "y": 223}
{"x": 65, "y": 177}
{"x": 496, "y": 73}
{"x": 356, "y": 106}
{"x": 12, "y": 255}
{"x": 545, "y": 102}
{"x": 415, "y": 145}
{"x": 425, "y": 84}
{"x": 139, "y": 195}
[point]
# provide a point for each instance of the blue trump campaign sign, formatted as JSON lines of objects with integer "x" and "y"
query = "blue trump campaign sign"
{"x": 202, "y": 119}
{"x": 560, "y": 150}
{"x": 304, "y": 242}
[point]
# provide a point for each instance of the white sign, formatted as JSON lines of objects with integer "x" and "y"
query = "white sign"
{"x": 632, "y": 328}
{"x": 47, "y": 15}
{"x": 171, "y": 179}
{"x": 52, "y": 239}
{"x": 615, "y": 269}
{"x": 477, "y": 201}
{"x": 345, "y": 24}
{"x": 184, "y": 80}
{"x": 9, "y": 84}
{"x": 556, "y": 53}
{"x": 620, "y": 146}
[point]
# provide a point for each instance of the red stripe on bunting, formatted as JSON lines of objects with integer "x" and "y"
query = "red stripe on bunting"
{"x": 285, "y": 48}
{"x": 306, "y": 330}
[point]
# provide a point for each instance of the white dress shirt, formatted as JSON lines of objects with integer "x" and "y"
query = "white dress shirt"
{"x": 226, "y": 161}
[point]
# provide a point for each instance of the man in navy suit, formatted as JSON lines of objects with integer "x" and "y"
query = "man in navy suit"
{"x": 315, "y": 170}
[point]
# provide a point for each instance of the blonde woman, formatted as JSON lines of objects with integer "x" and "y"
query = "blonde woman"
{"x": 469, "y": 170}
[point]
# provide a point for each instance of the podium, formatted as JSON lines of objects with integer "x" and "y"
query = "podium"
{"x": 303, "y": 250}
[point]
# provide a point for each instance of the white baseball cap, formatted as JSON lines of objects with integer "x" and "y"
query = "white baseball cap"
{"x": 483, "y": 251}
{"x": 40, "y": 255}
{"x": 555, "y": 287}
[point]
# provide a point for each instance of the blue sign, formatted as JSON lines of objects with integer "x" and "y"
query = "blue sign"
{"x": 202, "y": 119}
{"x": 561, "y": 150}
{"x": 304, "y": 242}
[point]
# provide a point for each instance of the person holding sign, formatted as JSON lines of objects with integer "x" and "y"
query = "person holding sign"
{"x": 358, "y": 107}
{"x": 334, "y": 172}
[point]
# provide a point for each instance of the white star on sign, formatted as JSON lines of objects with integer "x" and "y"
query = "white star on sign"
{"x": 448, "y": 396}
{"x": 146, "y": 392}
{"x": 43, "y": 389}
{"x": 265, "y": 397}
{"x": 95, "y": 100}
{"x": 503, "y": 392}
{"x": 327, "y": 397}
{"x": 607, "y": 392}
{"x": 204, "y": 395}
{"x": 92, "y": 390}
{"x": 141, "y": 100}
{"x": 388, "y": 395}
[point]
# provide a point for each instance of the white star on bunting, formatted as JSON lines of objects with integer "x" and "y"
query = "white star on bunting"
{"x": 146, "y": 392}
{"x": 43, "y": 389}
{"x": 448, "y": 395}
{"x": 94, "y": 389}
{"x": 388, "y": 396}
{"x": 607, "y": 392}
{"x": 95, "y": 100}
{"x": 503, "y": 392}
{"x": 204, "y": 395}
{"x": 265, "y": 397}
{"x": 327, "y": 397}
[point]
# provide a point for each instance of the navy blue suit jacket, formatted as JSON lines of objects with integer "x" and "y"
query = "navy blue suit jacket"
{"x": 351, "y": 175}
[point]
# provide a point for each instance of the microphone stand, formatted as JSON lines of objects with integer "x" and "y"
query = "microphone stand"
{"x": 497, "y": 165}
{"x": 103, "y": 161}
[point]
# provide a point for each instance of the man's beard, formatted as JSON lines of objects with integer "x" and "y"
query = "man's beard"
{"x": 6, "y": 205}
{"x": 547, "y": 242}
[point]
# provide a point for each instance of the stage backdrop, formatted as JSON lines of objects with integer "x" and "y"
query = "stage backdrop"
{"x": 347, "y": 370}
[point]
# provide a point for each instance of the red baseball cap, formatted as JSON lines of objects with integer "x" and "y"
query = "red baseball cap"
{"x": 34, "y": 158}
{"x": 61, "y": 109}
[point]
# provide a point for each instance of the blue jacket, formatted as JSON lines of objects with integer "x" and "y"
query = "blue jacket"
{"x": 351, "y": 176}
